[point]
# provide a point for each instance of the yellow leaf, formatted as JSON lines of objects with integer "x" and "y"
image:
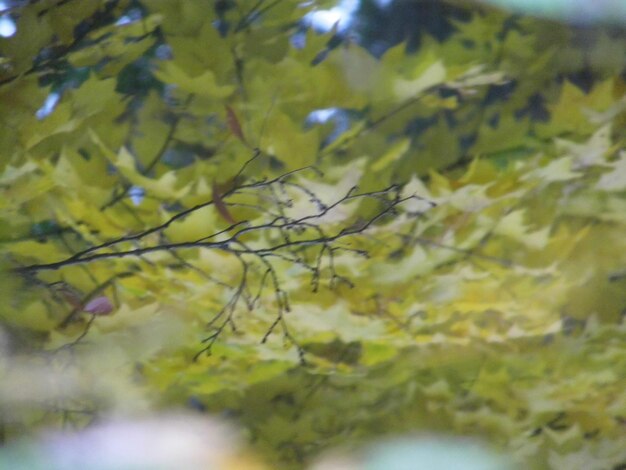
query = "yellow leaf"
{"x": 434, "y": 75}
{"x": 557, "y": 170}
{"x": 614, "y": 180}
{"x": 164, "y": 187}
{"x": 34, "y": 316}
{"x": 513, "y": 226}
{"x": 196, "y": 225}
{"x": 393, "y": 154}
{"x": 203, "y": 85}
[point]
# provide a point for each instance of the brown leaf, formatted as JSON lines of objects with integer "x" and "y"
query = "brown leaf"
{"x": 220, "y": 205}
{"x": 233, "y": 124}
{"x": 70, "y": 295}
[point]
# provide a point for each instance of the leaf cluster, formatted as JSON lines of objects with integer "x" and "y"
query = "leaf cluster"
{"x": 331, "y": 241}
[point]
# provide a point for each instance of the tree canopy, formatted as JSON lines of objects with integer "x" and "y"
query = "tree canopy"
{"x": 324, "y": 236}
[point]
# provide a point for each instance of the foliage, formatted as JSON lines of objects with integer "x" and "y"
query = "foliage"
{"x": 445, "y": 253}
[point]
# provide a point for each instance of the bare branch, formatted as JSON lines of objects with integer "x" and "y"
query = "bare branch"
{"x": 307, "y": 241}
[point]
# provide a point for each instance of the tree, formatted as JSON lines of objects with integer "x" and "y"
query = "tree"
{"x": 214, "y": 205}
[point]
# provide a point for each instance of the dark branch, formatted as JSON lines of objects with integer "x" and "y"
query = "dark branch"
{"x": 306, "y": 241}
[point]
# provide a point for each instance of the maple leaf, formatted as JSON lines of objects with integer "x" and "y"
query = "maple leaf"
{"x": 430, "y": 234}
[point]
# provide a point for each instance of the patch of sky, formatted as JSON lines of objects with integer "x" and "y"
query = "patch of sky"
{"x": 341, "y": 118}
{"x": 48, "y": 106}
{"x": 136, "y": 194}
{"x": 7, "y": 26}
{"x": 163, "y": 52}
{"x": 130, "y": 17}
{"x": 320, "y": 116}
{"x": 339, "y": 16}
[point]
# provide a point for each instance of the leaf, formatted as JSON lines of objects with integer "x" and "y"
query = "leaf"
{"x": 233, "y": 124}
{"x": 405, "y": 89}
{"x": 220, "y": 205}
{"x": 205, "y": 84}
{"x": 34, "y": 316}
{"x": 614, "y": 180}
{"x": 570, "y": 113}
{"x": 165, "y": 187}
{"x": 71, "y": 296}
{"x": 556, "y": 170}
{"x": 99, "y": 306}
{"x": 494, "y": 311}
{"x": 392, "y": 155}
{"x": 512, "y": 225}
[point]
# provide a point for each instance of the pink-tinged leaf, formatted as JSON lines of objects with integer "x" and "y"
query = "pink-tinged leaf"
{"x": 233, "y": 124}
{"x": 99, "y": 306}
{"x": 220, "y": 205}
